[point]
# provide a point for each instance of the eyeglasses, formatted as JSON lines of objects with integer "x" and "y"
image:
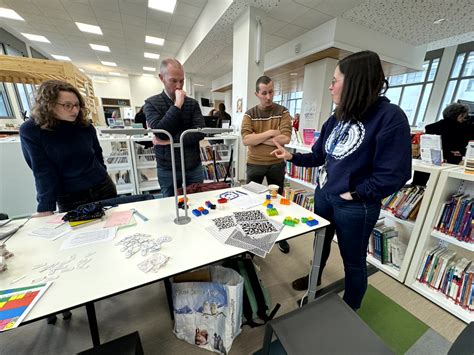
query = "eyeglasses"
{"x": 68, "y": 106}
{"x": 334, "y": 81}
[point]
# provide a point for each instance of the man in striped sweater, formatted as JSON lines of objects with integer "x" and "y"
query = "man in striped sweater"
{"x": 262, "y": 125}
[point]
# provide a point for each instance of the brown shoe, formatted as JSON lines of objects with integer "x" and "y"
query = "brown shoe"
{"x": 301, "y": 284}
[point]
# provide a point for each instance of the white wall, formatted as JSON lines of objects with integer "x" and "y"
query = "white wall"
{"x": 142, "y": 87}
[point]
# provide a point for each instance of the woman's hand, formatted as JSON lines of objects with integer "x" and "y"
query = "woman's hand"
{"x": 346, "y": 196}
{"x": 42, "y": 214}
{"x": 281, "y": 152}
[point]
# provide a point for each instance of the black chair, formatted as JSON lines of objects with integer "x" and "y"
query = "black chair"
{"x": 129, "y": 344}
{"x": 325, "y": 326}
{"x": 464, "y": 343}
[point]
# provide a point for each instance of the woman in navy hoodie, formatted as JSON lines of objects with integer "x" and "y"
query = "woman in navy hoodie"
{"x": 364, "y": 155}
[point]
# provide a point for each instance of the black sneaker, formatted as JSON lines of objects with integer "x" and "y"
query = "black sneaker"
{"x": 67, "y": 315}
{"x": 284, "y": 247}
{"x": 52, "y": 319}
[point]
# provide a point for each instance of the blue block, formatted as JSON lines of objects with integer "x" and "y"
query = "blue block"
{"x": 196, "y": 212}
{"x": 312, "y": 222}
{"x": 204, "y": 211}
{"x": 269, "y": 205}
{"x": 268, "y": 197}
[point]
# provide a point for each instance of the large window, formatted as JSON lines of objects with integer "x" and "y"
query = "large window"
{"x": 461, "y": 81}
{"x": 5, "y": 108}
{"x": 412, "y": 91}
{"x": 25, "y": 95}
{"x": 292, "y": 101}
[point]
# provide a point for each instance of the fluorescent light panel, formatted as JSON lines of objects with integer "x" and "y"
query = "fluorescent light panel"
{"x": 9, "y": 13}
{"x": 110, "y": 64}
{"x": 84, "y": 27}
{"x": 149, "y": 68}
{"x": 154, "y": 40}
{"x": 198, "y": 84}
{"x": 148, "y": 75}
{"x": 100, "y": 48}
{"x": 152, "y": 55}
{"x": 61, "y": 57}
{"x": 162, "y": 5}
{"x": 114, "y": 73}
{"x": 36, "y": 38}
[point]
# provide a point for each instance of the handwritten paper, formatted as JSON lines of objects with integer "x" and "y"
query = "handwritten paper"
{"x": 86, "y": 238}
{"x": 51, "y": 232}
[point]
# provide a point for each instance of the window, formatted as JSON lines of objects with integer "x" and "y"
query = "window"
{"x": 5, "y": 108}
{"x": 25, "y": 96}
{"x": 292, "y": 101}
{"x": 411, "y": 91}
{"x": 461, "y": 81}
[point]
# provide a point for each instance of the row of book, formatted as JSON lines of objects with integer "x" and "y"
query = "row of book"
{"x": 306, "y": 174}
{"x": 218, "y": 150}
{"x": 441, "y": 271}
{"x": 210, "y": 171}
{"x": 301, "y": 197}
{"x": 386, "y": 246}
{"x": 119, "y": 156}
{"x": 120, "y": 177}
{"x": 456, "y": 219}
{"x": 405, "y": 203}
{"x": 145, "y": 154}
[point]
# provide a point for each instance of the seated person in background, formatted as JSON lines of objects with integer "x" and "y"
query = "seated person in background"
{"x": 453, "y": 131}
{"x": 223, "y": 116}
{"x": 296, "y": 122}
{"x": 141, "y": 118}
{"x": 61, "y": 147}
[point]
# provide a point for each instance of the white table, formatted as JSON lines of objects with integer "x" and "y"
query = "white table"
{"x": 110, "y": 273}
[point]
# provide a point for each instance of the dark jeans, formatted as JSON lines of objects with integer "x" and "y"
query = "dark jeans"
{"x": 274, "y": 173}
{"x": 70, "y": 201}
{"x": 165, "y": 178}
{"x": 353, "y": 222}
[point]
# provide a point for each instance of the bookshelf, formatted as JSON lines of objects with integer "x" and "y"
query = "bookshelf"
{"x": 144, "y": 162}
{"x": 220, "y": 146}
{"x": 294, "y": 177}
{"x": 451, "y": 181}
{"x": 408, "y": 230}
{"x": 118, "y": 160}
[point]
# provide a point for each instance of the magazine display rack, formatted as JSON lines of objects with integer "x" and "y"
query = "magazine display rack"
{"x": 427, "y": 271}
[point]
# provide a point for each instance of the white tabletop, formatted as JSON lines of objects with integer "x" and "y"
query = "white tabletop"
{"x": 110, "y": 272}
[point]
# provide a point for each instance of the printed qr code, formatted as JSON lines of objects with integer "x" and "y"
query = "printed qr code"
{"x": 224, "y": 222}
{"x": 257, "y": 227}
{"x": 246, "y": 216}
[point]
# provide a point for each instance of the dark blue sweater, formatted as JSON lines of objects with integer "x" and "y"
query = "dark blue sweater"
{"x": 162, "y": 114}
{"x": 372, "y": 159}
{"x": 65, "y": 159}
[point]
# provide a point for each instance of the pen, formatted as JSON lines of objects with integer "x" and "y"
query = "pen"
{"x": 142, "y": 217}
{"x": 240, "y": 192}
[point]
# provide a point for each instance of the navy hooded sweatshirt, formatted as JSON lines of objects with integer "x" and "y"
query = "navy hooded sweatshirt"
{"x": 371, "y": 157}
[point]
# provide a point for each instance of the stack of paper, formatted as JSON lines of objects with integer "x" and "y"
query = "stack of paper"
{"x": 255, "y": 188}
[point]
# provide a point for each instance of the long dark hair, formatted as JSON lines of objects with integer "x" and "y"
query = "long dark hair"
{"x": 46, "y": 98}
{"x": 364, "y": 81}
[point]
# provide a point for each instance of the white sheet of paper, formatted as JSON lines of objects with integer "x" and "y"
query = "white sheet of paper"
{"x": 51, "y": 232}
{"x": 256, "y": 188}
{"x": 78, "y": 239}
{"x": 245, "y": 202}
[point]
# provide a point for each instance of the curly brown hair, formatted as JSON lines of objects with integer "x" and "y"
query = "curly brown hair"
{"x": 46, "y": 99}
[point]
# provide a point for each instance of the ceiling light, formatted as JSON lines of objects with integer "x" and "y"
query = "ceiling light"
{"x": 148, "y": 75}
{"x": 154, "y": 40}
{"x": 61, "y": 57}
{"x": 98, "y": 47}
{"x": 152, "y": 55}
{"x": 439, "y": 21}
{"x": 84, "y": 27}
{"x": 9, "y": 13}
{"x": 293, "y": 74}
{"x": 36, "y": 38}
{"x": 114, "y": 73}
{"x": 198, "y": 84}
{"x": 162, "y": 5}
{"x": 149, "y": 69}
{"x": 110, "y": 64}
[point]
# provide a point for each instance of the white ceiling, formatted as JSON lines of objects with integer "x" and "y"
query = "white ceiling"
{"x": 125, "y": 23}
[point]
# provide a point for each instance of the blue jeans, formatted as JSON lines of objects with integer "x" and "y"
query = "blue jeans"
{"x": 165, "y": 178}
{"x": 353, "y": 222}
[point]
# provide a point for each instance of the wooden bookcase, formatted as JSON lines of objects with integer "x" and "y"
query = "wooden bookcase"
{"x": 35, "y": 71}
{"x": 450, "y": 182}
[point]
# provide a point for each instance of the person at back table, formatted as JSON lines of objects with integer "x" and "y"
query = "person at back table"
{"x": 454, "y": 132}
{"x": 175, "y": 112}
{"x": 364, "y": 151}
{"x": 262, "y": 125}
{"x": 224, "y": 117}
{"x": 61, "y": 147}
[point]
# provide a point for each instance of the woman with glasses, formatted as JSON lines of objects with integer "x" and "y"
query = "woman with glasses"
{"x": 61, "y": 147}
{"x": 364, "y": 155}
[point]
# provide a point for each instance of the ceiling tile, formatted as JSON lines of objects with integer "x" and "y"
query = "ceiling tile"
{"x": 183, "y": 9}
{"x": 109, "y": 27}
{"x": 290, "y": 31}
{"x": 134, "y": 9}
{"x": 287, "y": 11}
{"x": 184, "y": 21}
{"x": 271, "y": 25}
{"x": 106, "y": 5}
{"x": 311, "y": 19}
{"x": 104, "y": 15}
{"x": 179, "y": 30}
